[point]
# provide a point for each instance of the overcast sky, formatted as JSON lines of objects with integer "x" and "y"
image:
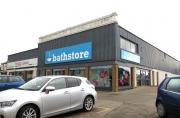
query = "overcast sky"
{"x": 22, "y": 22}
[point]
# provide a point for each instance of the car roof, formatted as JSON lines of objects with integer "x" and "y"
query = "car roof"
{"x": 8, "y": 76}
{"x": 177, "y": 77}
{"x": 57, "y": 76}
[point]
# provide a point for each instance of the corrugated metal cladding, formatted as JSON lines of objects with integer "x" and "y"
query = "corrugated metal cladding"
{"x": 29, "y": 54}
{"x": 150, "y": 55}
{"x": 103, "y": 44}
{"x": 106, "y": 50}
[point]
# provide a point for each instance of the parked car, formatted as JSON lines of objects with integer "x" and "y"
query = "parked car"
{"x": 48, "y": 96}
{"x": 168, "y": 97}
{"x": 8, "y": 82}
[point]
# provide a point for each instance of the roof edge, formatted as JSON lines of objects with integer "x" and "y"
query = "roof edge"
{"x": 105, "y": 20}
{"x": 149, "y": 44}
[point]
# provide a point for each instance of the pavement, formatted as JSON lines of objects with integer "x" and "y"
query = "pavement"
{"x": 134, "y": 103}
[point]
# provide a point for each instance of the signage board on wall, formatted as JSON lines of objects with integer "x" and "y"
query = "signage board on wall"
{"x": 77, "y": 52}
{"x": 23, "y": 63}
{"x": 126, "y": 55}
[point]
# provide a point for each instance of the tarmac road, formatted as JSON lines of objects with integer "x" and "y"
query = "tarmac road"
{"x": 136, "y": 103}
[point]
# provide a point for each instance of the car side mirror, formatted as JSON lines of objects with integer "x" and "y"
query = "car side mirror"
{"x": 49, "y": 88}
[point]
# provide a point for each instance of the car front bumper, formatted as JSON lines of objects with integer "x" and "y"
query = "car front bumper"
{"x": 8, "y": 112}
{"x": 95, "y": 97}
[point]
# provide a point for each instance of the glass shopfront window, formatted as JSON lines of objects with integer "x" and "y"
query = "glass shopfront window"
{"x": 127, "y": 45}
{"x": 124, "y": 77}
{"x": 21, "y": 73}
{"x": 138, "y": 77}
{"x": 58, "y": 72}
{"x": 143, "y": 77}
{"x": 48, "y": 72}
{"x": 29, "y": 75}
{"x": 11, "y": 73}
{"x": 26, "y": 74}
{"x": 77, "y": 72}
{"x": 101, "y": 76}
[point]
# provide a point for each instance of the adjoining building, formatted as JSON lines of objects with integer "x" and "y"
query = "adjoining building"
{"x": 23, "y": 64}
{"x": 111, "y": 57}
{"x": 3, "y": 68}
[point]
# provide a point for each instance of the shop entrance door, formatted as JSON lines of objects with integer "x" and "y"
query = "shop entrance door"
{"x": 143, "y": 77}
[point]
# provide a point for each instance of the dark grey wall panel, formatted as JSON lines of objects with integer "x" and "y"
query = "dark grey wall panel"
{"x": 151, "y": 56}
{"x": 106, "y": 50}
{"x": 103, "y": 44}
{"x": 29, "y": 54}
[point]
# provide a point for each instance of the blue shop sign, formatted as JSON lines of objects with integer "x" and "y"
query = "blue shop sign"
{"x": 77, "y": 52}
{"x": 130, "y": 56}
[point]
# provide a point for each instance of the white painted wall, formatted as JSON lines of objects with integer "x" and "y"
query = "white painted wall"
{"x": 162, "y": 75}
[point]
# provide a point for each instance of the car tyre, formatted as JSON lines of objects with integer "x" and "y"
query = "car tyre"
{"x": 88, "y": 104}
{"x": 161, "y": 110}
{"x": 28, "y": 111}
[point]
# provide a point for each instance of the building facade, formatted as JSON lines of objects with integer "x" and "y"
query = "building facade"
{"x": 111, "y": 57}
{"x": 23, "y": 64}
{"x": 3, "y": 70}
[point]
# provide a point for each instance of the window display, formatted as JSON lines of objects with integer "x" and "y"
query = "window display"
{"x": 143, "y": 77}
{"x": 138, "y": 77}
{"x": 20, "y": 73}
{"x": 101, "y": 76}
{"x": 11, "y": 73}
{"x": 58, "y": 72}
{"x": 77, "y": 72}
{"x": 29, "y": 75}
{"x": 48, "y": 72}
{"x": 124, "y": 77}
{"x": 26, "y": 75}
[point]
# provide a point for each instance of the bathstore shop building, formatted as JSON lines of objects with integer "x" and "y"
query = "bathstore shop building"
{"x": 111, "y": 57}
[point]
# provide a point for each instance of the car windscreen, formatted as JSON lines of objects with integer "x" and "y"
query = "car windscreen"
{"x": 35, "y": 84}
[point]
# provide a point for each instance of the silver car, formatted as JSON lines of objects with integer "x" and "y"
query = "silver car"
{"x": 48, "y": 96}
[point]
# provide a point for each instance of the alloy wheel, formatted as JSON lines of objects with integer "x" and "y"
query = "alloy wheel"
{"x": 88, "y": 103}
{"x": 29, "y": 113}
{"x": 160, "y": 110}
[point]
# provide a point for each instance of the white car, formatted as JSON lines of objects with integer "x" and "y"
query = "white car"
{"x": 48, "y": 96}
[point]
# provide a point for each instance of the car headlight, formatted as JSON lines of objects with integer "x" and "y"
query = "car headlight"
{"x": 7, "y": 103}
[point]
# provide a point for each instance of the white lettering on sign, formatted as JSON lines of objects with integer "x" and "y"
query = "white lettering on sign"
{"x": 65, "y": 57}
{"x": 78, "y": 52}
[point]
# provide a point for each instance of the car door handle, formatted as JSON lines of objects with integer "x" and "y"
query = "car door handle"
{"x": 66, "y": 92}
{"x": 82, "y": 89}
{"x": 164, "y": 93}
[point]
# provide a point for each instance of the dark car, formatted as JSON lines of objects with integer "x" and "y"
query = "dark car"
{"x": 8, "y": 82}
{"x": 168, "y": 97}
